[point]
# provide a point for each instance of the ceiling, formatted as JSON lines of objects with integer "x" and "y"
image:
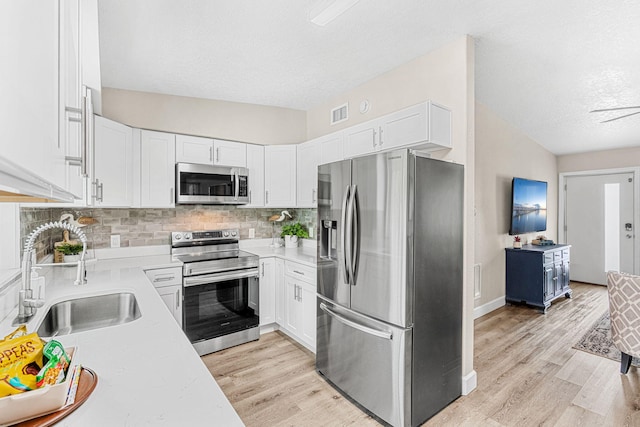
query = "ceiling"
{"x": 540, "y": 65}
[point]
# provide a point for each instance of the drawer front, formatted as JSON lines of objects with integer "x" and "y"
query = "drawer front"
{"x": 557, "y": 255}
{"x": 161, "y": 277}
{"x": 565, "y": 253}
{"x": 548, "y": 257}
{"x": 300, "y": 271}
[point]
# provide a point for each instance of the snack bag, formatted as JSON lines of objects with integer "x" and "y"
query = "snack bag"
{"x": 20, "y": 361}
{"x": 54, "y": 369}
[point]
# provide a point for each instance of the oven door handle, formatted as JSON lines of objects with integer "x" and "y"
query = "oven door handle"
{"x": 219, "y": 277}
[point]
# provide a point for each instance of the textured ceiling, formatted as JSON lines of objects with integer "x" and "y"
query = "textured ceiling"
{"x": 541, "y": 66}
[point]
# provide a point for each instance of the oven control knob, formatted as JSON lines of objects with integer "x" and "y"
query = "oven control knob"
{"x": 225, "y": 234}
{"x": 234, "y": 234}
{"x": 187, "y": 236}
{"x": 177, "y": 236}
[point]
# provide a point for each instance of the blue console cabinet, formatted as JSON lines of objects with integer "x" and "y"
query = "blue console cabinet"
{"x": 537, "y": 275}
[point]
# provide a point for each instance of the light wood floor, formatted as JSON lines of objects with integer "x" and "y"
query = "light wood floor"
{"x": 528, "y": 375}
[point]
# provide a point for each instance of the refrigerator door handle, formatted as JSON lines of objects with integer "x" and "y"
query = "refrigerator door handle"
{"x": 362, "y": 328}
{"x": 346, "y": 255}
{"x": 355, "y": 235}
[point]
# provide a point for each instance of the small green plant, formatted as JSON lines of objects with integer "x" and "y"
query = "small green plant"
{"x": 294, "y": 230}
{"x": 70, "y": 248}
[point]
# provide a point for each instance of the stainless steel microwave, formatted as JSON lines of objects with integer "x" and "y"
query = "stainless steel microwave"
{"x": 213, "y": 185}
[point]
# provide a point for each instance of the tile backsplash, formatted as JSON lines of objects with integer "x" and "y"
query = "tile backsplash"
{"x": 148, "y": 227}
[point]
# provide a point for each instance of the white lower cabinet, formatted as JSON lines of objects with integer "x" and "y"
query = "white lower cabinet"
{"x": 168, "y": 284}
{"x": 280, "y": 305}
{"x": 300, "y": 303}
{"x": 267, "y": 298}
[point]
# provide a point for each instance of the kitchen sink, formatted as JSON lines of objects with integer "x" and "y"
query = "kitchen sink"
{"x": 85, "y": 314}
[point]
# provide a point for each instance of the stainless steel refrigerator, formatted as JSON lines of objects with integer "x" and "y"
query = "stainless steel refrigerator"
{"x": 389, "y": 318}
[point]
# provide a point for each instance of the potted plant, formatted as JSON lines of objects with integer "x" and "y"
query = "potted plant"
{"x": 517, "y": 244}
{"x": 291, "y": 233}
{"x": 70, "y": 251}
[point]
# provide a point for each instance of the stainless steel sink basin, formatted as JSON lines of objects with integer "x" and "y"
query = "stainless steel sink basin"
{"x": 84, "y": 314}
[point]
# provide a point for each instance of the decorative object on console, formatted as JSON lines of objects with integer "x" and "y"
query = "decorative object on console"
{"x": 291, "y": 233}
{"x": 273, "y": 219}
{"x": 542, "y": 241}
{"x": 517, "y": 244}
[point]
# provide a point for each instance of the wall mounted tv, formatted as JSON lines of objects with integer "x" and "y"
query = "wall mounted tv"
{"x": 528, "y": 206}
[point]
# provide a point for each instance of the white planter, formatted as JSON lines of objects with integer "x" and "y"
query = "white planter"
{"x": 291, "y": 241}
{"x": 71, "y": 258}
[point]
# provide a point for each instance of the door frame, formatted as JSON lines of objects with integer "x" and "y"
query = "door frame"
{"x": 562, "y": 200}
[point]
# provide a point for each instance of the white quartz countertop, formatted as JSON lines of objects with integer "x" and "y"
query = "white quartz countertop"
{"x": 148, "y": 372}
{"x": 303, "y": 254}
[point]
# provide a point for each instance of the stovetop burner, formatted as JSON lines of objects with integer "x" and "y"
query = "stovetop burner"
{"x": 213, "y": 251}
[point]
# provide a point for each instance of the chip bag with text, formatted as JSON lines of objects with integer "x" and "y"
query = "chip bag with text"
{"x": 20, "y": 361}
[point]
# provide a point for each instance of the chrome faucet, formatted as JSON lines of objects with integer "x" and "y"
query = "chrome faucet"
{"x": 28, "y": 305}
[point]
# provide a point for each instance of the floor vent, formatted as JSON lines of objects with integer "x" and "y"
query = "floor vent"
{"x": 340, "y": 114}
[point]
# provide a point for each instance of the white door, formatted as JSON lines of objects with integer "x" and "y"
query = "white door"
{"x": 113, "y": 164}
{"x": 280, "y": 176}
{"x": 255, "y": 164}
{"x": 229, "y": 153}
{"x": 599, "y": 221}
{"x": 157, "y": 166}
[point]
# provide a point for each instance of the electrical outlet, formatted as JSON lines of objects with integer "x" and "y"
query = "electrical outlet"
{"x": 252, "y": 233}
{"x": 115, "y": 240}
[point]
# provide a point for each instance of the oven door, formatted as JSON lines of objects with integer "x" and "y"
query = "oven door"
{"x": 204, "y": 184}
{"x": 219, "y": 304}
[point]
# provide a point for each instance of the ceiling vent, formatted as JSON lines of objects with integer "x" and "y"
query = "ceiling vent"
{"x": 340, "y": 114}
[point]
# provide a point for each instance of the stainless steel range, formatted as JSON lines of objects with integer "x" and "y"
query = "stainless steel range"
{"x": 220, "y": 289}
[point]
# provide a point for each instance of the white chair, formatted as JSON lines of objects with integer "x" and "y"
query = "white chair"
{"x": 624, "y": 310}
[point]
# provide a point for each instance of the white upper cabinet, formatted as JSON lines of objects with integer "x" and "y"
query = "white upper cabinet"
{"x": 308, "y": 158}
{"x": 331, "y": 147}
{"x": 194, "y": 149}
{"x": 280, "y": 176}
{"x": 207, "y": 151}
{"x": 229, "y": 153}
{"x": 255, "y": 164}
{"x": 157, "y": 169}
{"x": 29, "y": 86}
{"x": 112, "y": 183}
{"x": 425, "y": 126}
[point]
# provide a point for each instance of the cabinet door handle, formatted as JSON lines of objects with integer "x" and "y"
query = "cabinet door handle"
{"x": 380, "y": 135}
{"x": 266, "y": 197}
{"x": 218, "y": 155}
{"x": 298, "y": 272}
{"x": 177, "y": 299}
{"x": 171, "y": 197}
{"x": 263, "y": 269}
{"x": 211, "y": 154}
{"x": 374, "y": 138}
{"x": 249, "y": 196}
{"x": 300, "y": 293}
{"x": 313, "y": 195}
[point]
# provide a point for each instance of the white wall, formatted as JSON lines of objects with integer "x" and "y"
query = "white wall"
{"x": 234, "y": 121}
{"x": 594, "y": 160}
{"x": 503, "y": 152}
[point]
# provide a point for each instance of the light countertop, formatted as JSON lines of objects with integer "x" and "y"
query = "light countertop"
{"x": 148, "y": 372}
{"x": 304, "y": 254}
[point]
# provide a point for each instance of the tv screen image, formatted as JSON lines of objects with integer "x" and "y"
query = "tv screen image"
{"x": 528, "y": 206}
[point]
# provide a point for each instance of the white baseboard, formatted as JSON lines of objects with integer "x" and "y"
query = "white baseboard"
{"x": 469, "y": 382}
{"x": 488, "y": 307}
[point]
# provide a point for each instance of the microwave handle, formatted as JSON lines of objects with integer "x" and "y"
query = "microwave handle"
{"x": 237, "y": 178}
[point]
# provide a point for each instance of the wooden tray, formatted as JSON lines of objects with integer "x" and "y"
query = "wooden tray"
{"x": 86, "y": 385}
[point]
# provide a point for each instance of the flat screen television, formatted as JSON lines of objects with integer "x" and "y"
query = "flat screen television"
{"x": 528, "y": 206}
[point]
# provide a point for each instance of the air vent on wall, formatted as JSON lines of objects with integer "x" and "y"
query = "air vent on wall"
{"x": 340, "y": 114}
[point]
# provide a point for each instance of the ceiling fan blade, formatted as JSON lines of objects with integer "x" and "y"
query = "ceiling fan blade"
{"x": 621, "y": 117}
{"x": 615, "y": 108}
